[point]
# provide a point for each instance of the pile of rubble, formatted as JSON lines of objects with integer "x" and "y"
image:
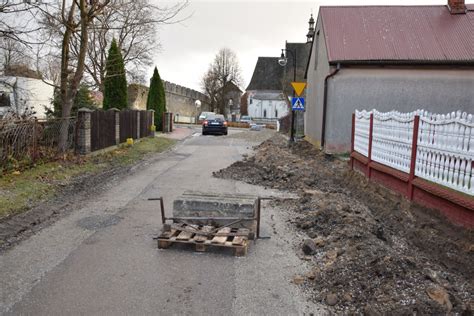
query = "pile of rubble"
{"x": 371, "y": 250}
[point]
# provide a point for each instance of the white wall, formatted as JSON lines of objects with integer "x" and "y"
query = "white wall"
{"x": 27, "y": 93}
{"x": 273, "y": 109}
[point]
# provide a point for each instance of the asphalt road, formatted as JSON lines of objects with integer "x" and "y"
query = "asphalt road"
{"x": 101, "y": 259}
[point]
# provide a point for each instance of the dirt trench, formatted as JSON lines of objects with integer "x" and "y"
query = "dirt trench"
{"x": 371, "y": 250}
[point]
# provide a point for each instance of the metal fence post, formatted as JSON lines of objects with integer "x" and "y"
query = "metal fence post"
{"x": 371, "y": 130}
{"x": 35, "y": 140}
{"x": 416, "y": 124}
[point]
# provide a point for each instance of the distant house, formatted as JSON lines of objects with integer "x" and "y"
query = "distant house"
{"x": 268, "y": 93}
{"x": 388, "y": 58}
{"x": 232, "y": 97}
{"x": 267, "y": 105}
{"x": 265, "y": 90}
{"x": 22, "y": 95}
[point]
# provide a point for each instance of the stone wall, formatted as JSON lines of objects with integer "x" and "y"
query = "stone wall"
{"x": 179, "y": 100}
{"x": 137, "y": 96}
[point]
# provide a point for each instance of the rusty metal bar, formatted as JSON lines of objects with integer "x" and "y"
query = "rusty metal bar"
{"x": 162, "y": 208}
{"x": 211, "y": 218}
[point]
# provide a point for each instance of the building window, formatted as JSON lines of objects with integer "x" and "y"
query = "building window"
{"x": 4, "y": 99}
{"x": 264, "y": 113}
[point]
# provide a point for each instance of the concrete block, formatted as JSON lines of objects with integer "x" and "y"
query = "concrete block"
{"x": 193, "y": 203}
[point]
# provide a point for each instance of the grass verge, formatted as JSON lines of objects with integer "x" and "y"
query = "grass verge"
{"x": 20, "y": 191}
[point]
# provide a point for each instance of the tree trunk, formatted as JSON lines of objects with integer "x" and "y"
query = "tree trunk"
{"x": 66, "y": 101}
{"x": 69, "y": 87}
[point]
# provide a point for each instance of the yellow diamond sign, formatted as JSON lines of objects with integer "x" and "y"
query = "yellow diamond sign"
{"x": 298, "y": 87}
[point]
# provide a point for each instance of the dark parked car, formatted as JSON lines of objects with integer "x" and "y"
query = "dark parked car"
{"x": 214, "y": 124}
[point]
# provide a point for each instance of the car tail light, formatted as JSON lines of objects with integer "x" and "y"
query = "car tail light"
{"x": 205, "y": 122}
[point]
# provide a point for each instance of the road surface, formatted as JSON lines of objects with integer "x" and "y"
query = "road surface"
{"x": 101, "y": 258}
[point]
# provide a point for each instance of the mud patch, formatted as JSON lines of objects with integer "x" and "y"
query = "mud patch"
{"x": 375, "y": 253}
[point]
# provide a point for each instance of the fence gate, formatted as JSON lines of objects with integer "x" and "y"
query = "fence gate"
{"x": 102, "y": 129}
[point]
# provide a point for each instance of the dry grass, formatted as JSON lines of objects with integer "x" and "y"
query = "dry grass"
{"x": 22, "y": 190}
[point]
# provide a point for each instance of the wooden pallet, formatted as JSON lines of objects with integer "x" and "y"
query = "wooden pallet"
{"x": 205, "y": 237}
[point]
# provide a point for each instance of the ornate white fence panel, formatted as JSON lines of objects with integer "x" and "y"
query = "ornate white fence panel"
{"x": 361, "y": 132}
{"x": 445, "y": 151}
{"x": 392, "y": 138}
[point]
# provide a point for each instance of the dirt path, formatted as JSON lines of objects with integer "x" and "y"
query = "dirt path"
{"x": 371, "y": 251}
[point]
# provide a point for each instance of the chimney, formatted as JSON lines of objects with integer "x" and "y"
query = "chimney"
{"x": 457, "y": 6}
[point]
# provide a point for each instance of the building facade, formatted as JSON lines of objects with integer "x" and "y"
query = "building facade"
{"x": 22, "y": 95}
{"x": 267, "y": 105}
{"x": 386, "y": 66}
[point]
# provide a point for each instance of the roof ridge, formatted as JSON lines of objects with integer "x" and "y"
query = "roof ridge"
{"x": 385, "y": 6}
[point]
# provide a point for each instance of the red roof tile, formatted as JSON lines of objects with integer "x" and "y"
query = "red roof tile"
{"x": 398, "y": 34}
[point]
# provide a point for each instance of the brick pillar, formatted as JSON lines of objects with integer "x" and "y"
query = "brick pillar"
{"x": 152, "y": 116}
{"x": 138, "y": 124}
{"x": 416, "y": 124}
{"x": 117, "y": 125}
{"x": 371, "y": 132}
{"x": 351, "y": 159}
{"x": 152, "y": 132}
{"x": 84, "y": 131}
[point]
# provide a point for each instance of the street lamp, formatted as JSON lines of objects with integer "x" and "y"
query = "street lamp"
{"x": 283, "y": 61}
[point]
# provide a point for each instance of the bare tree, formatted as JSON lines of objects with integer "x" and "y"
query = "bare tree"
{"x": 12, "y": 53}
{"x": 15, "y": 29}
{"x": 210, "y": 86}
{"x": 133, "y": 24}
{"x": 222, "y": 71}
{"x": 70, "y": 19}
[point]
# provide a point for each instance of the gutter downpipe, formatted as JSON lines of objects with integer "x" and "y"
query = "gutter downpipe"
{"x": 325, "y": 102}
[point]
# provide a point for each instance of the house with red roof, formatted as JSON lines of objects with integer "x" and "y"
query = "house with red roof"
{"x": 387, "y": 58}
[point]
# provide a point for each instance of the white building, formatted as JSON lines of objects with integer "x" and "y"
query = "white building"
{"x": 20, "y": 94}
{"x": 266, "y": 104}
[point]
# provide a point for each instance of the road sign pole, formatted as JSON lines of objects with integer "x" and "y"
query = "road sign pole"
{"x": 292, "y": 128}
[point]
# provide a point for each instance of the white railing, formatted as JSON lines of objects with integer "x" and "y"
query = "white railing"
{"x": 445, "y": 145}
{"x": 445, "y": 151}
{"x": 361, "y": 132}
{"x": 392, "y": 139}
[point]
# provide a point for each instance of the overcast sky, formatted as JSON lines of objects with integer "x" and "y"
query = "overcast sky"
{"x": 250, "y": 28}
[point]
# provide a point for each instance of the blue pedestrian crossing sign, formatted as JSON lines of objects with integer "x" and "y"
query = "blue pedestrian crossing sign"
{"x": 297, "y": 104}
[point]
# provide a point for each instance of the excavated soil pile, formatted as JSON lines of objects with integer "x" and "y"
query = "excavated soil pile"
{"x": 372, "y": 251}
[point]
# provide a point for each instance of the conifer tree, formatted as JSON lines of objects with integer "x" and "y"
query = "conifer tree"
{"x": 156, "y": 99}
{"x": 115, "y": 82}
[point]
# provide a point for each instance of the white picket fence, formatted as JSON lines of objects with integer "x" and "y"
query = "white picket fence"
{"x": 445, "y": 145}
{"x": 392, "y": 139}
{"x": 361, "y": 132}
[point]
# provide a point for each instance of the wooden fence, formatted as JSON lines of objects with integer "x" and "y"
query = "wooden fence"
{"x": 418, "y": 149}
{"x": 128, "y": 125}
{"x": 102, "y": 129}
{"x": 146, "y": 121}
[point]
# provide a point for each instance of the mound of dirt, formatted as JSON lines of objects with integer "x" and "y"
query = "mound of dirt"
{"x": 376, "y": 253}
